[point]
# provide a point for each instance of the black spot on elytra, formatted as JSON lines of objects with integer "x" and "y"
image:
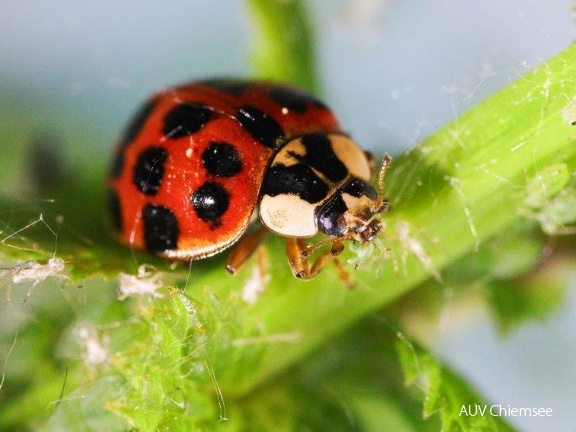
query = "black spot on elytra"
{"x": 129, "y": 135}
{"x": 210, "y": 202}
{"x": 114, "y": 210}
{"x": 260, "y": 125}
{"x": 231, "y": 86}
{"x": 160, "y": 228}
{"x": 296, "y": 179}
{"x": 137, "y": 122}
{"x": 320, "y": 155}
{"x": 291, "y": 99}
{"x": 186, "y": 119}
{"x": 149, "y": 170}
{"x": 221, "y": 159}
{"x": 319, "y": 104}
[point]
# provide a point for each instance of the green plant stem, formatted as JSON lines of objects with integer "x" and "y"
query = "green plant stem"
{"x": 283, "y": 47}
{"x": 461, "y": 186}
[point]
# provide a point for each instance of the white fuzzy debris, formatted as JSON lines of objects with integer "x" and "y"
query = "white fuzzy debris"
{"x": 38, "y": 272}
{"x": 144, "y": 283}
{"x": 414, "y": 246}
{"x": 456, "y": 185}
{"x": 255, "y": 285}
{"x": 568, "y": 113}
{"x": 95, "y": 348}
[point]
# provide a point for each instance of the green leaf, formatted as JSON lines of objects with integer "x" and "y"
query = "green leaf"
{"x": 444, "y": 393}
{"x": 512, "y": 273}
{"x": 359, "y": 375}
{"x": 551, "y": 199}
{"x": 536, "y": 297}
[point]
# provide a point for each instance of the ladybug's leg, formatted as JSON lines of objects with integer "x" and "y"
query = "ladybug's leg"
{"x": 298, "y": 253}
{"x": 244, "y": 249}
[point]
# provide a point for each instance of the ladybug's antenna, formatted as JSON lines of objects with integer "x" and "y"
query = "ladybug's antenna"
{"x": 385, "y": 164}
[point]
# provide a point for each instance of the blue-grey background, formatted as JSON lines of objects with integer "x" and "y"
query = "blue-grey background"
{"x": 394, "y": 71}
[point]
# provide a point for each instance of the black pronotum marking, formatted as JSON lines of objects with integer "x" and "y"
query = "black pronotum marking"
{"x": 291, "y": 99}
{"x": 210, "y": 202}
{"x": 149, "y": 170}
{"x": 260, "y": 125}
{"x": 160, "y": 228}
{"x": 221, "y": 159}
{"x": 297, "y": 179}
{"x": 186, "y": 119}
{"x": 300, "y": 179}
{"x": 320, "y": 155}
{"x": 330, "y": 216}
{"x": 115, "y": 211}
{"x": 357, "y": 187}
{"x": 130, "y": 134}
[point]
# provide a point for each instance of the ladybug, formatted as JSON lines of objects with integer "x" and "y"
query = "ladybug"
{"x": 199, "y": 163}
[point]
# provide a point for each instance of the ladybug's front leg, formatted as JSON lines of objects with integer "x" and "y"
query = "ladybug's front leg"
{"x": 298, "y": 254}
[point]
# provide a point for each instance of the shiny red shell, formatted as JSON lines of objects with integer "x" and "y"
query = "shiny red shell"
{"x": 186, "y": 175}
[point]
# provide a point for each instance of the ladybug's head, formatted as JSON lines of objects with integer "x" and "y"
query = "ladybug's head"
{"x": 352, "y": 212}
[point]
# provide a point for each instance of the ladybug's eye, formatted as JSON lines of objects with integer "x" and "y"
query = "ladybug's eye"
{"x": 332, "y": 224}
